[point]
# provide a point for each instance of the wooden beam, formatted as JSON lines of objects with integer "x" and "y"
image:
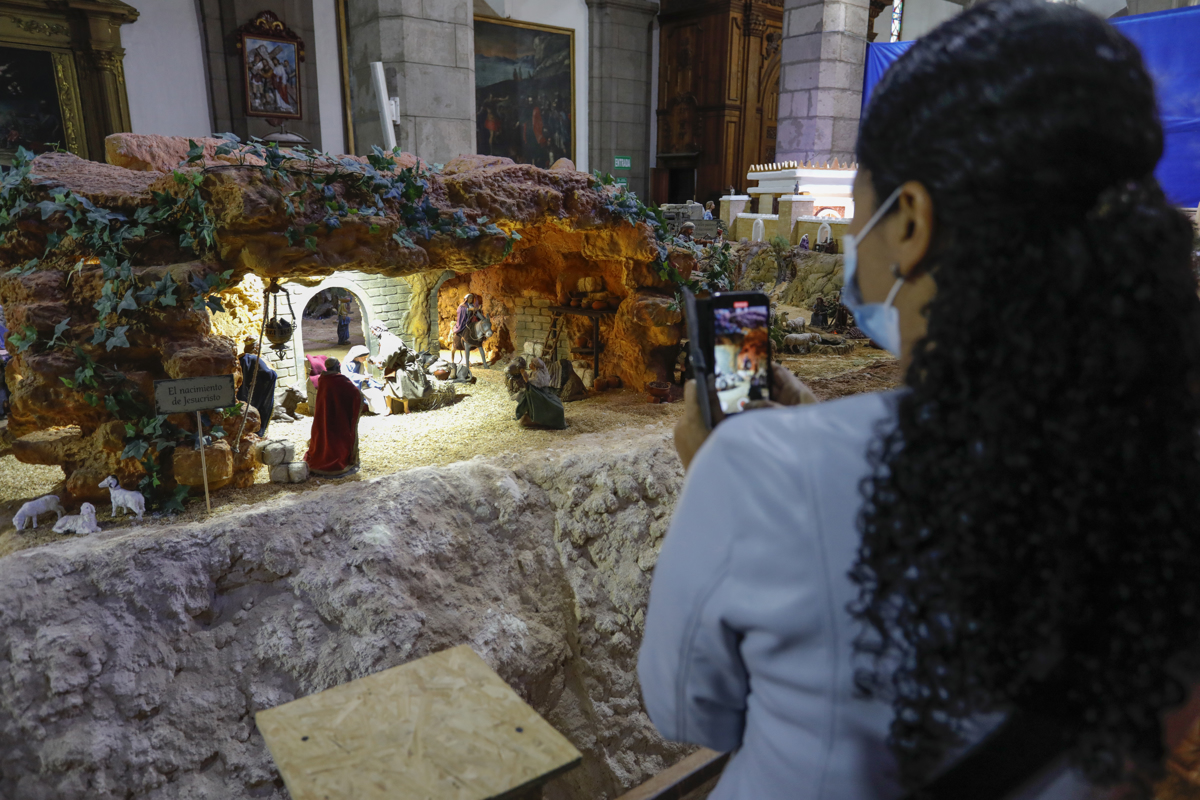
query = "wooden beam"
{"x": 677, "y": 781}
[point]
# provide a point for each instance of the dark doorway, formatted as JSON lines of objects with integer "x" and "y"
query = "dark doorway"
{"x": 681, "y": 185}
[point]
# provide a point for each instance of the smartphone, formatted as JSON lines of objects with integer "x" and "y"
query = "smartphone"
{"x": 729, "y": 339}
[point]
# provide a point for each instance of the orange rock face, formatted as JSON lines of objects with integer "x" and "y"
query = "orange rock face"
{"x": 566, "y": 229}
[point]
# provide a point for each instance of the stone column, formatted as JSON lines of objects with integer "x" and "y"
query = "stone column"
{"x": 820, "y": 97}
{"x": 428, "y": 54}
{"x": 618, "y": 53}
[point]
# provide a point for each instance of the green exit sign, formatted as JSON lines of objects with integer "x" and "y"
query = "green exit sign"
{"x": 623, "y": 182}
{"x": 622, "y": 162}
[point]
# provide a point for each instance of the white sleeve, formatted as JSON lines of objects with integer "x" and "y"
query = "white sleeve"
{"x": 693, "y": 680}
{"x": 740, "y": 580}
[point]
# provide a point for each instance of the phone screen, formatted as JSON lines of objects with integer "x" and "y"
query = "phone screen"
{"x": 741, "y": 354}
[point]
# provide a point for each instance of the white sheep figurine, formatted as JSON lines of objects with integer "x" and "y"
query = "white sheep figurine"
{"x": 43, "y": 505}
{"x": 123, "y": 498}
{"x": 800, "y": 342}
{"x": 82, "y": 523}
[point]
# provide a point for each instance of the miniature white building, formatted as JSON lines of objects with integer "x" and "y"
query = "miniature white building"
{"x": 807, "y": 195}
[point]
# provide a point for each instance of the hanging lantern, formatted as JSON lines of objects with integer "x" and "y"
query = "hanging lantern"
{"x": 278, "y": 329}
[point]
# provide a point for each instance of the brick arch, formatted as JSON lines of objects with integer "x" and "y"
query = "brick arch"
{"x": 301, "y": 295}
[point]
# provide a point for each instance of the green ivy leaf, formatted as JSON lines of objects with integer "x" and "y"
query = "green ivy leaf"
{"x": 118, "y": 338}
{"x": 174, "y": 504}
{"x": 24, "y": 340}
{"x": 310, "y": 243}
{"x": 59, "y": 330}
{"x": 127, "y": 302}
{"x": 135, "y": 449}
{"x": 195, "y": 152}
{"x": 70, "y": 384}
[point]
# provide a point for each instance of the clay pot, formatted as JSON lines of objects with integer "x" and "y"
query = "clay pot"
{"x": 599, "y": 305}
{"x": 441, "y": 374}
{"x": 576, "y": 303}
{"x": 659, "y": 390}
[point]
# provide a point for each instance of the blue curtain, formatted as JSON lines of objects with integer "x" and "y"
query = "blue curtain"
{"x": 1170, "y": 44}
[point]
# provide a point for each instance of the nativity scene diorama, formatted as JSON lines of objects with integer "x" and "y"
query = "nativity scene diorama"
{"x": 420, "y": 330}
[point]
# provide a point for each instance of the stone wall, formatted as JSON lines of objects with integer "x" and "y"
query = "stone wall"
{"x": 132, "y": 663}
{"x": 533, "y": 319}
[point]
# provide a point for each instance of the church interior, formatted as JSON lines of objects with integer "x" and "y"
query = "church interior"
{"x": 344, "y": 341}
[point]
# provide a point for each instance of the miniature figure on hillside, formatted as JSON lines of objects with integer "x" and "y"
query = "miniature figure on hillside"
{"x": 123, "y": 499}
{"x": 333, "y": 448}
{"x": 469, "y": 330}
{"x": 403, "y": 374}
{"x": 80, "y": 524}
{"x": 820, "y": 314}
{"x": 35, "y": 508}
{"x": 537, "y": 406}
{"x": 343, "y": 318}
{"x": 263, "y": 395}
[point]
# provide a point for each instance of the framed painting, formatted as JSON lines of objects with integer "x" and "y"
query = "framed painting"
{"x": 38, "y": 106}
{"x": 525, "y": 91}
{"x": 271, "y": 58}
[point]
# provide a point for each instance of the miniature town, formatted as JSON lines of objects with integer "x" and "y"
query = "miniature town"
{"x": 424, "y": 384}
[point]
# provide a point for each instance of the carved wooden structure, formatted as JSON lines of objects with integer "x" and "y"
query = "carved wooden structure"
{"x": 718, "y": 94}
{"x": 84, "y": 40}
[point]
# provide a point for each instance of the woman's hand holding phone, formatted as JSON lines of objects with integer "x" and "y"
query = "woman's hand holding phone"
{"x": 691, "y": 432}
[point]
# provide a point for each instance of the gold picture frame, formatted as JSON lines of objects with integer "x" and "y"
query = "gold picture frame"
{"x": 522, "y": 130}
{"x": 30, "y": 124}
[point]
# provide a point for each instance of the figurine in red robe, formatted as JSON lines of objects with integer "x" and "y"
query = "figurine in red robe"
{"x": 333, "y": 448}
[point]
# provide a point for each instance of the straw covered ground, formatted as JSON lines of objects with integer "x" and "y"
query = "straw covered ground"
{"x": 480, "y": 424}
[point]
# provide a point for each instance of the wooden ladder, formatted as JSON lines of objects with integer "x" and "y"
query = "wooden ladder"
{"x": 550, "y": 346}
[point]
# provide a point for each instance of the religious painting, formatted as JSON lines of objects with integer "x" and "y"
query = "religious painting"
{"x": 30, "y": 112}
{"x": 525, "y": 91}
{"x": 271, "y": 58}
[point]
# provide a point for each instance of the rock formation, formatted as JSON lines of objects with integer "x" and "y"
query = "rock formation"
{"x": 279, "y": 226}
{"x": 132, "y": 663}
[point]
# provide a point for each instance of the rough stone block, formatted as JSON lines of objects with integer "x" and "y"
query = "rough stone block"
{"x": 804, "y": 20}
{"x": 843, "y": 103}
{"x": 539, "y": 302}
{"x": 839, "y": 75}
{"x": 440, "y": 92}
{"x": 802, "y": 49}
{"x": 440, "y": 140}
{"x": 801, "y": 77}
{"x": 297, "y": 472}
{"x": 430, "y": 42}
{"x": 458, "y": 11}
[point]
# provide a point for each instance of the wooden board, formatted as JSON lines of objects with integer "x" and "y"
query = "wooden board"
{"x": 444, "y": 727}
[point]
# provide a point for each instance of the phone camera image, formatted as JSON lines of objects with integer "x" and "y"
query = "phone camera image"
{"x": 741, "y": 355}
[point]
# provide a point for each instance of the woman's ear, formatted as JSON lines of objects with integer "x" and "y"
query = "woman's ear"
{"x": 910, "y": 228}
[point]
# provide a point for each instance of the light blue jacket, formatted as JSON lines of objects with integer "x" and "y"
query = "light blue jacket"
{"x": 748, "y": 641}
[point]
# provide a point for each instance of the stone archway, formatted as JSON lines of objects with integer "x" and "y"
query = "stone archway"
{"x": 301, "y": 294}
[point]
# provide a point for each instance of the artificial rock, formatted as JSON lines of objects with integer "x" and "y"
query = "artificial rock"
{"x": 132, "y": 663}
{"x": 561, "y": 214}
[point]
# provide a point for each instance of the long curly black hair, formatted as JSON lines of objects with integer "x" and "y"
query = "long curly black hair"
{"x": 1031, "y": 532}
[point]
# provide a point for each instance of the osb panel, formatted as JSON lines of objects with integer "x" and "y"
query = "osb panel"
{"x": 443, "y": 726}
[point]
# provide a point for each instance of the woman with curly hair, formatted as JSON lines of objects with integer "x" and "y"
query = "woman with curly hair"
{"x": 854, "y": 594}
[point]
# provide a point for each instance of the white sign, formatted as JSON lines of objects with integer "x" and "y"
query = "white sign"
{"x": 193, "y": 394}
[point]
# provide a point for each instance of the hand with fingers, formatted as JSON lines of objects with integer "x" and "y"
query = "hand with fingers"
{"x": 691, "y": 432}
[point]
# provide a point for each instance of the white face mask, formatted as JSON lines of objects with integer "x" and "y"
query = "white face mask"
{"x": 880, "y": 321}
